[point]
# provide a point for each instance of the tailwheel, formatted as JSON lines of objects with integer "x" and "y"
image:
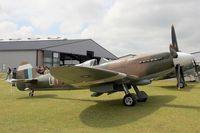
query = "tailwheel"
{"x": 129, "y": 100}
{"x": 31, "y": 93}
{"x": 181, "y": 85}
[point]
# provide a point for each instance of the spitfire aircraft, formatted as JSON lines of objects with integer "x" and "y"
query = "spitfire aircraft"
{"x": 109, "y": 77}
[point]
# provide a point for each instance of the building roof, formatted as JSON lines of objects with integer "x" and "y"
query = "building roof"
{"x": 76, "y": 46}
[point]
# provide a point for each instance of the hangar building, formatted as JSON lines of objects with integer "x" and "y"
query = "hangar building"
{"x": 50, "y": 52}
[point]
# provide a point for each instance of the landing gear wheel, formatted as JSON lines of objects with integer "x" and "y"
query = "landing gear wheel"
{"x": 142, "y": 96}
{"x": 129, "y": 100}
{"x": 181, "y": 85}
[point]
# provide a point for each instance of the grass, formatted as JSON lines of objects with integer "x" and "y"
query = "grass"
{"x": 167, "y": 110}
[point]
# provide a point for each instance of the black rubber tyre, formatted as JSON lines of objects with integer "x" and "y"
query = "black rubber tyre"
{"x": 31, "y": 94}
{"x": 181, "y": 85}
{"x": 129, "y": 100}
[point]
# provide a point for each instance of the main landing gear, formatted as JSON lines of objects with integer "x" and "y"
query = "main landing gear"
{"x": 130, "y": 99}
{"x": 31, "y": 93}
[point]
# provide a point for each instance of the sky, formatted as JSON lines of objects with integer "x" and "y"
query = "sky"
{"x": 121, "y": 26}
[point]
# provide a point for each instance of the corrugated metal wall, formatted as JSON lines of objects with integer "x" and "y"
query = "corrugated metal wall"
{"x": 14, "y": 58}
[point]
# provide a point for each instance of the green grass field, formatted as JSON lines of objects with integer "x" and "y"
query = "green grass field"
{"x": 167, "y": 110}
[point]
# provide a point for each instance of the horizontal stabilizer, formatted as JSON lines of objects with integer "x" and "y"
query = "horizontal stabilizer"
{"x": 23, "y": 80}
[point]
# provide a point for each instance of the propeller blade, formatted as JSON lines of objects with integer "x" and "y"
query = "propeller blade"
{"x": 196, "y": 74}
{"x": 174, "y": 40}
{"x": 182, "y": 84}
{"x": 195, "y": 66}
{"x": 180, "y": 77}
{"x": 173, "y": 51}
{"x": 177, "y": 69}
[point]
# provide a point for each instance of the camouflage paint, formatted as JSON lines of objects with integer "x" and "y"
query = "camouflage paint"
{"x": 142, "y": 65}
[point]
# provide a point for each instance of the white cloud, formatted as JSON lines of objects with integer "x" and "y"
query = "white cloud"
{"x": 9, "y": 30}
{"x": 144, "y": 26}
{"x": 120, "y": 26}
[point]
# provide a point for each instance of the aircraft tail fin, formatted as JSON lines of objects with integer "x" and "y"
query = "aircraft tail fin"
{"x": 26, "y": 71}
{"x": 24, "y": 74}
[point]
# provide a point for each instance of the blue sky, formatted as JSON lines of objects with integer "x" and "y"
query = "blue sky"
{"x": 122, "y": 27}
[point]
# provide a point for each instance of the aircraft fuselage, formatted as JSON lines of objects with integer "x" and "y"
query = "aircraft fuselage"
{"x": 142, "y": 66}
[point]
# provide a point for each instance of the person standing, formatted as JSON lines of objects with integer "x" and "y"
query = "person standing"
{"x": 14, "y": 73}
{"x": 9, "y": 70}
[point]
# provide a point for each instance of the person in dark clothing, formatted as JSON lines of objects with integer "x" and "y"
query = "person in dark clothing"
{"x": 14, "y": 73}
{"x": 9, "y": 70}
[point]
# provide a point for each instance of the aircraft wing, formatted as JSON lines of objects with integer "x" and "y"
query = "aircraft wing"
{"x": 86, "y": 76}
{"x": 24, "y": 80}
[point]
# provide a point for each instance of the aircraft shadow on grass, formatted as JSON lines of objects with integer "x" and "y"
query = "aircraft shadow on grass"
{"x": 39, "y": 96}
{"x": 110, "y": 113}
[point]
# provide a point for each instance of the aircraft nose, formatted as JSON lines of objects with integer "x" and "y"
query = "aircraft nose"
{"x": 184, "y": 59}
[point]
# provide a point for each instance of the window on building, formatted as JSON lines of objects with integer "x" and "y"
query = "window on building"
{"x": 90, "y": 54}
{"x": 56, "y": 60}
{"x": 48, "y": 58}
